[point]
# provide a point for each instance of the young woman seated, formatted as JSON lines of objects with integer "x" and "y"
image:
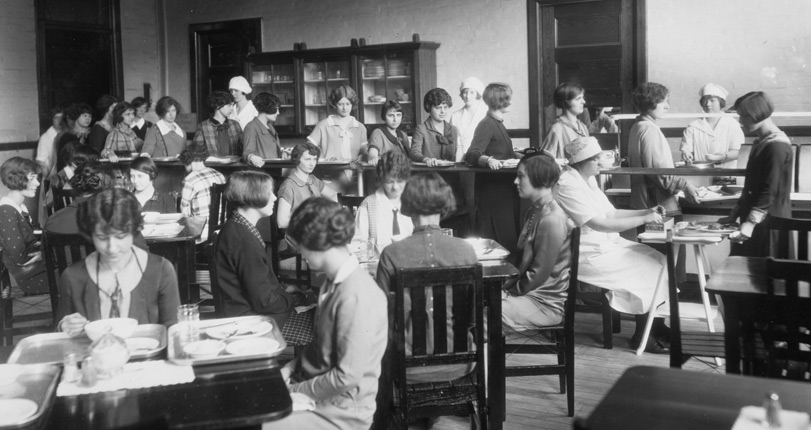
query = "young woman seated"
{"x": 339, "y": 370}
{"x": 118, "y": 279}
{"x": 628, "y": 270}
{"x": 143, "y": 172}
{"x": 21, "y": 249}
{"x": 379, "y": 219}
{"x": 426, "y": 198}
{"x": 301, "y": 184}
{"x": 242, "y": 267}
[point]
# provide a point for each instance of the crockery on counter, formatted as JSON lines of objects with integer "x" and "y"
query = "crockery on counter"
{"x": 159, "y": 218}
{"x": 261, "y": 345}
{"x": 239, "y": 330}
{"x": 204, "y": 348}
{"x": 162, "y": 230}
{"x": 141, "y": 343}
{"x": 121, "y": 327}
{"x": 15, "y": 411}
{"x": 10, "y": 372}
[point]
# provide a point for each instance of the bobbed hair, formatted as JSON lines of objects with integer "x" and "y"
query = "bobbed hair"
{"x": 436, "y": 97}
{"x": 542, "y": 170}
{"x": 647, "y": 95}
{"x": 103, "y": 105}
{"x": 218, "y": 99}
{"x": 393, "y": 165}
{"x": 119, "y": 110}
{"x": 566, "y": 91}
{"x": 389, "y": 105}
{"x": 14, "y": 172}
{"x": 249, "y": 189}
{"x": 319, "y": 224}
{"x": 145, "y": 165}
{"x": 427, "y": 194}
{"x": 755, "y": 105}
{"x": 497, "y": 95}
{"x": 193, "y": 153}
{"x": 80, "y": 154}
{"x": 344, "y": 91}
{"x": 74, "y": 111}
{"x": 138, "y": 102}
{"x": 301, "y": 148}
{"x": 91, "y": 177}
{"x": 163, "y": 105}
{"x": 266, "y": 103}
{"x": 114, "y": 210}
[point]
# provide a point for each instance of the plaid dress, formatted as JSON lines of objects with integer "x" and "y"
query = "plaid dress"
{"x": 208, "y": 132}
{"x": 196, "y": 195}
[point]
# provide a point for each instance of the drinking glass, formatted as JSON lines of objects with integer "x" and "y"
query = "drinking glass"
{"x": 188, "y": 319}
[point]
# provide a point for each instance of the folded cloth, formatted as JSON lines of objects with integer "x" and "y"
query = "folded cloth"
{"x": 754, "y": 418}
{"x": 141, "y": 374}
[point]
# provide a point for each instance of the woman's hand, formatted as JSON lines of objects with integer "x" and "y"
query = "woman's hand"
{"x": 660, "y": 210}
{"x": 653, "y": 217}
{"x": 73, "y": 324}
{"x": 687, "y": 157}
{"x": 430, "y": 162}
{"x": 256, "y": 160}
{"x": 373, "y": 156}
{"x": 34, "y": 257}
{"x": 493, "y": 164}
{"x": 146, "y": 154}
{"x": 691, "y": 194}
{"x": 113, "y": 157}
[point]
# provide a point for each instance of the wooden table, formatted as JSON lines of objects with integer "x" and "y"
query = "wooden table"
{"x": 180, "y": 250}
{"x": 665, "y": 398}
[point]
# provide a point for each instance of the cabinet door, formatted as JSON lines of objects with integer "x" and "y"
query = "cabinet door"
{"x": 321, "y": 77}
{"x": 387, "y": 77}
{"x": 278, "y": 79}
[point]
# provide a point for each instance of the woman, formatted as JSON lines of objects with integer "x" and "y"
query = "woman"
{"x": 629, "y": 270}
{"x": 88, "y": 179}
{"x": 80, "y": 154}
{"x": 122, "y": 140}
{"x": 767, "y": 186}
{"x": 244, "y": 111}
{"x": 389, "y": 137}
{"x": 718, "y": 136}
{"x": 46, "y": 146}
{"x": 536, "y": 299}
{"x": 74, "y": 133}
{"x": 104, "y": 111}
{"x": 118, "y": 279}
{"x": 379, "y": 218}
{"x": 339, "y": 370}
{"x": 143, "y": 172}
{"x": 426, "y": 199}
{"x": 340, "y": 136}
{"x": 497, "y": 202}
{"x": 261, "y": 140}
{"x": 221, "y": 135}
{"x": 300, "y": 184}
{"x": 570, "y": 98}
{"x": 167, "y": 139}
{"x": 435, "y": 139}
{"x": 21, "y": 249}
{"x": 140, "y": 125}
{"x": 242, "y": 267}
{"x": 466, "y": 119}
{"x": 648, "y": 147}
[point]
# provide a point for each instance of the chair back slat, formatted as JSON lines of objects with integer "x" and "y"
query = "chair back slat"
{"x": 787, "y": 231}
{"x": 218, "y": 209}
{"x": 419, "y": 322}
{"x": 61, "y": 198}
{"x": 571, "y": 293}
{"x": 440, "y": 314}
{"x": 350, "y": 202}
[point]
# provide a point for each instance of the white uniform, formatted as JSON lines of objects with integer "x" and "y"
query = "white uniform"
{"x": 701, "y": 139}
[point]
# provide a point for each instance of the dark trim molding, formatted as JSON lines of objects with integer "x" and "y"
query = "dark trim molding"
{"x": 791, "y": 131}
{"x": 520, "y": 133}
{"x": 18, "y": 146}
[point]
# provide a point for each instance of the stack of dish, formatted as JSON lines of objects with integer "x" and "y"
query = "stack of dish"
{"x": 397, "y": 68}
{"x": 374, "y": 69}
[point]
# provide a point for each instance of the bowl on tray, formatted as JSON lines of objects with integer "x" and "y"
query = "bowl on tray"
{"x": 121, "y": 327}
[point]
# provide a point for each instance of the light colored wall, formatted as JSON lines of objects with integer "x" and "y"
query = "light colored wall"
{"x": 18, "y": 72}
{"x": 745, "y": 45}
{"x": 141, "y": 51}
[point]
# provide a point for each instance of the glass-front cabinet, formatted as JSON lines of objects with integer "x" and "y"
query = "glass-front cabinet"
{"x": 303, "y": 80}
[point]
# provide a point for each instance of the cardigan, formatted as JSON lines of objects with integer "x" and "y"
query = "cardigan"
{"x": 491, "y": 139}
{"x": 425, "y": 143}
{"x": 245, "y": 276}
{"x": 262, "y": 140}
{"x": 153, "y": 301}
{"x": 648, "y": 147}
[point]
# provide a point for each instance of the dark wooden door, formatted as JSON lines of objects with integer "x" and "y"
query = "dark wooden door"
{"x": 598, "y": 44}
{"x": 218, "y": 53}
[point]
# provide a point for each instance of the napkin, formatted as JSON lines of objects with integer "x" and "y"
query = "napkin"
{"x": 302, "y": 402}
{"x": 141, "y": 374}
{"x": 754, "y": 418}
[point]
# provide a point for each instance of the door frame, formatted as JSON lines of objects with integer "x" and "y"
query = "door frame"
{"x": 198, "y": 30}
{"x": 535, "y": 56}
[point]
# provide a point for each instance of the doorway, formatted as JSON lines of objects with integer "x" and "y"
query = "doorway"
{"x": 218, "y": 53}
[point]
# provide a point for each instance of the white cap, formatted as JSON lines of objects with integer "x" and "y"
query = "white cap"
{"x": 473, "y": 84}
{"x": 713, "y": 90}
{"x": 582, "y": 148}
{"x": 239, "y": 83}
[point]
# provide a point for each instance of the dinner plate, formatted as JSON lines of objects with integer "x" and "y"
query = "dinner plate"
{"x": 243, "y": 331}
{"x": 204, "y": 348}
{"x": 159, "y": 218}
{"x": 152, "y": 231}
{"x": 333, "y": 163}
{"x": 141, "y": 343}
{"x": 222, "y": 160}
{"x": 260, "y": 345}
{"x": 10, "y": 372}
{"x": 443, "y": 163}
{"x": 13, "y": 411}
{"x": 172, "y": 158}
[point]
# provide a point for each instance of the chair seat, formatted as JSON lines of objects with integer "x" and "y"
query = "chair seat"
{"x": 442, "y": 393}
{"x": 703, "y": 344}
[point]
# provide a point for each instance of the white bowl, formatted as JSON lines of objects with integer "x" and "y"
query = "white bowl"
{"x": 715, "y": 158}
{"x": 10, "y": 372}
{"x": 204, "y": 348}
{"x": 121, "y": 327}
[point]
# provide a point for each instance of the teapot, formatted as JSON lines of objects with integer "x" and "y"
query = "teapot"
{"x": 609, "y": 158}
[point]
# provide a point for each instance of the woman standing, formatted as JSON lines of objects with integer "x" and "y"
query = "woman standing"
{"x": 140, "y": 125}
{"x": 718, "y": 136}
{"x": 496, "y": 198}
{"x": 466, "y": 119}
{"x": 98, "y": 134}
{"x": 79, "y": 116}
{"x": 340, "y": 369}
{"x": 260, "y": 138}
{"x": 21, "y": 249}
{"x": 570, "y": 98}
{"x": 340, "y": 136}
{"x": 435, "y": 139}
{"x": 628, "y": 270}
{"x": 244, "y": 110}
{"x": 143, "y": 172}
{"x": 648, "y": 147}
{"x": 122, "y": 140}
{"x": 768, "y": 177}
{"x": 166, "y": 139}
{"x": 118, "y": 279}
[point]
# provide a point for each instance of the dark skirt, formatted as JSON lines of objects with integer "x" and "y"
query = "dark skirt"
{"x": 498, "y": 209}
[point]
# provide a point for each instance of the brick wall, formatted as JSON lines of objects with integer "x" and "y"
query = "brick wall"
{"x": 19, "y": 105}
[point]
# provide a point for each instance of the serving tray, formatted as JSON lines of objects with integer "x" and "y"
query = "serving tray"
{"x": 176, "y": 342}
{"x": 37, "y": 383}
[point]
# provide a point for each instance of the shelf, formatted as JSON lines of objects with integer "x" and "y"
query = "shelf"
{"x": 400, "y": 77}
{"x": 314, "y": 81}
{"x": 379, "y": 78}
{"x": 288, "y": 106}
{"x": 337, "y": 79}
{"x": 316, "y": 106}
{"x": 283, "y": 82}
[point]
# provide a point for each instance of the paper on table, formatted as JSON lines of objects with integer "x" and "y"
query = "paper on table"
{"x": 135, "y": 375}
{"x": 754, "y": 418}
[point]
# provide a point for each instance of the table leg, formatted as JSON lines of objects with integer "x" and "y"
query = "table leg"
{"x": 652, "y": 311}
{"x": 702, "y": 284}
{"x": 496, "y": 382}
{"x": 732, "y": 335}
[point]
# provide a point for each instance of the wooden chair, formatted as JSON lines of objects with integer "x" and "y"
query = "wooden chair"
{"x": 792, "y": 237}
{"x": 350, "y": 202}
{"x": 562, "y": 338}
{"x": 219, "y": 210}
{"x": 455, "y": 294}
{"x": 596, "y": 302}
{"x": 62, "y": 198}
{"x": 60, "y": 251}
{"x": 684, "y": 345}
{"x": 7, "y": 317}
{"x": 216, "y": 293}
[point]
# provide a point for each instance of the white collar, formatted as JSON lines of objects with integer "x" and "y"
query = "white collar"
{"x": 346, "y": 269}
{"x": 7, "y": 201}
{"x": 352, "y": 124}
{"x": 384, "y": 201}
{"x": 164, "y": 128}
{"x": 140, "y": 123}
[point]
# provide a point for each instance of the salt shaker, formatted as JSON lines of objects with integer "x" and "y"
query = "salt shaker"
{"x": 70, "y": 372}
{"x": 89, "y": 375}
{"x": 771, "y": 403}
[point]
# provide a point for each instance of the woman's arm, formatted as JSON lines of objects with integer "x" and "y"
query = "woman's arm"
{"x": 150, "y": 141}
{"x": 686, "y": 147}
{"x": 550, "y": 234}
{"x": 653, "y": 147}
{"x": 256, "y": 278}
{"x": 481, "y": 139}
{"x": 12, "y": 240}
{"x": 552, "y": 143}
{"x": 168, "y": 294}
{"x": 283, "y": 212}
{"x": 618, "y": 225}
{"x": 417, "y": 142}
{"x": 362, "y": 222}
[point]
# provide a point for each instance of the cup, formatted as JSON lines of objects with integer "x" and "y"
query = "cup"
{"x": 188, "y": 318}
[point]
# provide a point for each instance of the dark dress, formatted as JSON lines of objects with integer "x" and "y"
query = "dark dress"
{"x": 98, "y": 137}
{"x": 497, "y": 201}
{"x": 17, "y": 241}
{"x": 141, "y": 131}
{"x": 161, "y": 202}
{"x": 766, "y": 191}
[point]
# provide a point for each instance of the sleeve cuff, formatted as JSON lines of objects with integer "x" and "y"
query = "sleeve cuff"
{"x": 756, "y": 216}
